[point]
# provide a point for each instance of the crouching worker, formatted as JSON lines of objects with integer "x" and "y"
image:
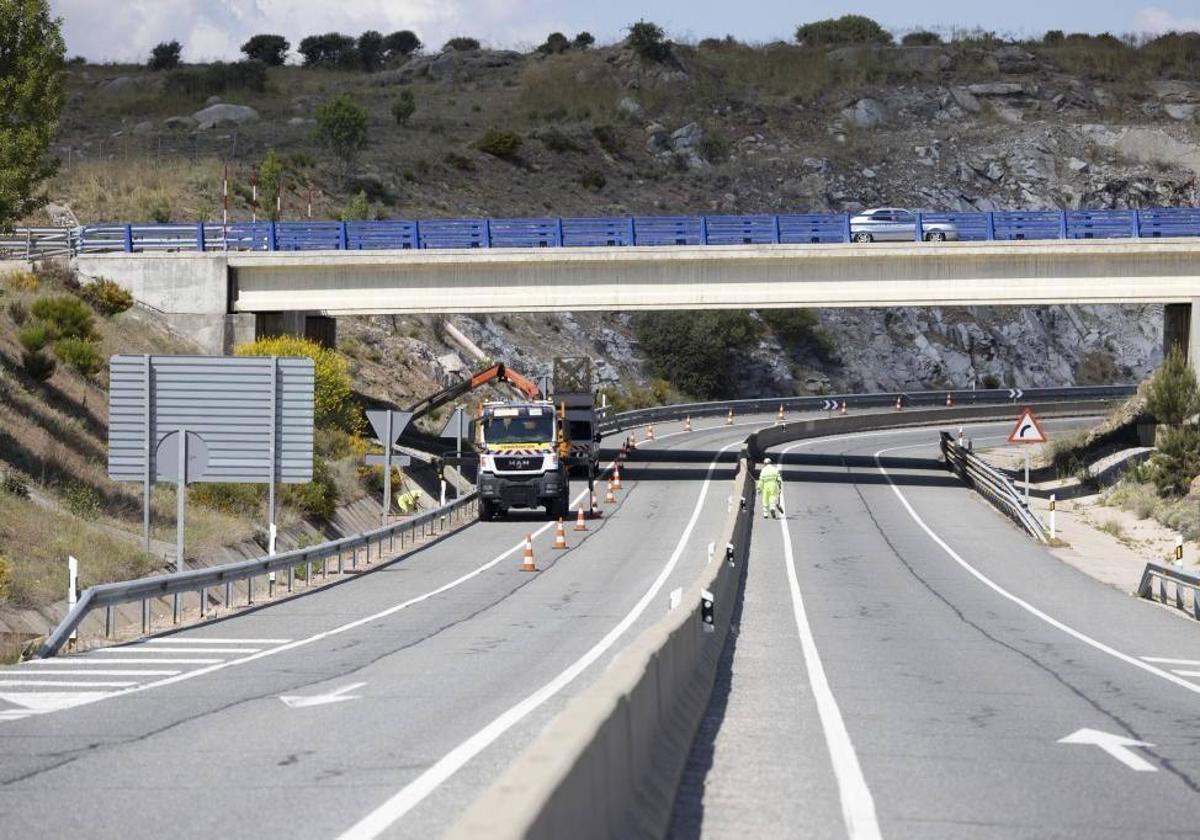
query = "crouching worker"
{"x": 770, "y": 488}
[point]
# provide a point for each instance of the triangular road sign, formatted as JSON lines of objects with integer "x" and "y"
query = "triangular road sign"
{"x": 378, "y": 419}
{"x": 1027, "y": 429}
{"x": 458, "y": 426}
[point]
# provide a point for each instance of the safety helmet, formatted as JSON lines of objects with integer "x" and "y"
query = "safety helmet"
{"x": 766, "y": 460}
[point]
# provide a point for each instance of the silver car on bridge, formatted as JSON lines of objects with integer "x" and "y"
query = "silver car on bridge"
{"x": 895, "y": 224}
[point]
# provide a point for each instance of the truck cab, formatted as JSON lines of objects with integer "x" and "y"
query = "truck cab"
{"x": 523, "y": 463}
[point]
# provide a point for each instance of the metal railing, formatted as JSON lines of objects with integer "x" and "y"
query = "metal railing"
{"x": 833, "y": 403}
{"x": 554, "y": 232}
{"x": 993, "y": 485}
{"x": 1180, "y": 581}
{"x": 315, "y": 559}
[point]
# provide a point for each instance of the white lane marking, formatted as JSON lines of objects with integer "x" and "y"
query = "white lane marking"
{"x": 1164, "y": 660}
{"x": 858, "y": 806}
{"x": 411, "y": 795}
{"x": 58, "y": 672}
{"x": 92, "y": 659}
{"x": 219, "y": 665}
{"x": 153, "y": 651}
{"x": 1118, "y": 746}
{"x": 1187, "y": 673}
{"x": 65, "y": 684}
{"x": 174, "y": 640}
{"x": 1022, "y": 603}
{"x": 297, "y": 701}
{"x": 47, "y": 701}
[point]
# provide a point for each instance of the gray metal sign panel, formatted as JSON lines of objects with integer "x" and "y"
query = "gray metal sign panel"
{"x": 458, "y": 426}
{"x": 377, "y": 417}
{"x": 227, "y": 401}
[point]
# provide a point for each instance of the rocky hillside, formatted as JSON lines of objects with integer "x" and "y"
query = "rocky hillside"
{"x": 718, "y": 127}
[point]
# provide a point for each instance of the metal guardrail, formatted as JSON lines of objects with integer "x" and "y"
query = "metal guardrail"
{"x": 1180, "y": 581}
{"x": 200, "y": 581}
{"x": 915, "y": 399}
{"x": 993, "y": 485}
{"x": 622, "y": 231}
{"x": 32, "y": 244}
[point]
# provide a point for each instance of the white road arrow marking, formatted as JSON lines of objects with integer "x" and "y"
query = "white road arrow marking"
{"x": 294, "y": 701}
{"x": 1118, "y": 746}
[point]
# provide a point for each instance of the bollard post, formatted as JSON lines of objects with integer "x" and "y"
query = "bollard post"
{"x": 72, "y": 592}
{"x": 250, "y": 590}
{"x": 175, "y": 608}
{"x": 145, "y": 616}
{"x": 1179, "y": 550}
{"x": 108, "y": 622}
{"x": 228, "y": 595}
{"x": 203, "y": 601}
{"x": 1053, "y": 530}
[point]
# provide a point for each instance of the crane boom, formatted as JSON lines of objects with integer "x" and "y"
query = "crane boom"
{"x": 496, "y": 373}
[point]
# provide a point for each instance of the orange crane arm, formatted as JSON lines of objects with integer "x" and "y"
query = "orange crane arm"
{"x": 497, "y": 372}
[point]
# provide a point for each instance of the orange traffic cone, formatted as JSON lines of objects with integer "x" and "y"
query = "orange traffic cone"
{"x": 687, "y": 423}
{"x": 609, "y": 498}
{"x": 949, "y": 400}
{"x": 899, "y": 407}
{"x": 616, "y": 479}
{"x": 729, "y": 419}
{"x": 780, "y": 417}
{"x": 632, "y": 442}
{"x": 560, "y": 535}
{"x": 649, "y": 433}
{"x": 527, "y": 564}
{"x": 596, "y": 512}
{"x": 580, "y": 523}
{"x": 845, "y": 410}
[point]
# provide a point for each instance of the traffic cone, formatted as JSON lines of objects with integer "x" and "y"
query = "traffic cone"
{"x": 780, "y": 417}
{"x": 649, "y": 433}
{"x": 729, "y": 419}
{"x": 949, "y": 400}
{"x": 527, "y": 564}
{"x": 616, "y": 479}
{"x": 596, "y": 512}
{"x": 632, "y": 442}
{"x": 845, "y": 410}
{"x": 609, "y": 498}
{"x": 899, "y": 407}
{"x": 687, "y": 423}
{"x": 580, "y": 522}
{"x": 560, "y": 535}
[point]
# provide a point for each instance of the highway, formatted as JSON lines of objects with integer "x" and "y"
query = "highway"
{"x": 908, "y": 664}
{"x": 404, "y": 691}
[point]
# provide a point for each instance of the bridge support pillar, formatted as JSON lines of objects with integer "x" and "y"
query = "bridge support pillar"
{"x": 1181, "y": 327}
{"x": 319, "y": 328}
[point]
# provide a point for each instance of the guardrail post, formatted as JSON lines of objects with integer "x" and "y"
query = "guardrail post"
{"x": 272, "y": 237}
{"x": 200, "y": 237}
{"x": 203, "y": 601}
{"x": 127, "y": 236}
{"x": 1137, "y": 223}
{"x": 342, "y": 237}
{"x": 991, "y": 225}
{"x": 416, "y": 235}
{"x": 704, "y": 230}
{"x": 846, "y": 227}
{"x": 632, "y": 232}
{"x": 1062, "y": 224}
{"x": 175, "y": 608}
{"x": 291, "y": 578}
{"x": 250, "y": 590}
{"x": 228, "y": 594}
{"x": 558, "y": 235}
{"x": 487, "y": 233}
{"x": 775, "y": 235}
{"x": 108, "y": 622}
{"x": 339, "y": 561}
{"x": 145, "y": 616}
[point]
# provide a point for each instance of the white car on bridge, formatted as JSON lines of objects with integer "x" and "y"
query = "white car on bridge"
{"x": 895, "y": 224}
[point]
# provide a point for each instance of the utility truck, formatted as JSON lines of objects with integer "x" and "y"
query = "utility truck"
{"x": 523, "y": 460}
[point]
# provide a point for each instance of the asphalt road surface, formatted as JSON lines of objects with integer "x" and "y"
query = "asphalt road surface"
{"x": 908, "y": 664}
{"x": 404, "y": 691}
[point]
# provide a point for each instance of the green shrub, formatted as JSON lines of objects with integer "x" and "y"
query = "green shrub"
{"x": 1172, "y": 396}
{"x": 14, "y": 485}
{"x": 1177, "y": 461}
{"x": 460, "y": 162}
{"x": 1053, "y": 37}
{"x": 271, "y": 50}
{"x": 841, "y": 32}
{"x": 106, "y": 296}
{"x": 499, "y": 143}
{"x": 165, "y": 56}
{"x": 461, "y": 44}
{"x": 921, "y": 38}
{"x": 714, "y": 147}
{"x": 555, "y": 43}
{"x": 333, "y": 406}
{"x": 593, "y": 179}
{"x": 342, "y": 130}
{"x": 799, "y": 327}
{"x": 318, "y": 498}
{"x": 5, "y": 577}
{"x": 83, "y": 500}
{"x": 583, "y": 40}
{"x": 244, "y": 500}
{"x": 692, "y": 350}
{"x": 38, "y": 365}
{"x": 608, "y": 138}
{"x": 404, "y": 107}
{"x": 990, "y": 381}
{"x": 357, "y": 209}
{"x": 79, "y": 355}
{"x": 34, "y": 337}
{"x": 557, "y": 141}
{"x": 21, "y": 281}
{"x": 65, "y": 317}
{"x": 648, "y": 41}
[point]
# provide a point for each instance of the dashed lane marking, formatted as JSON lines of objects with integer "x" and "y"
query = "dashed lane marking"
{"x": 65, "y": 684}
{"x": 175, "y": 640}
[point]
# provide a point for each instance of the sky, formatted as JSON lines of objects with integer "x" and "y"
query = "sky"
{"x": 214, "y": 29}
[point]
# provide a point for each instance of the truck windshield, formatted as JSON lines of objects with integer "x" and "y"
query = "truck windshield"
{"x": 519, "y": 429}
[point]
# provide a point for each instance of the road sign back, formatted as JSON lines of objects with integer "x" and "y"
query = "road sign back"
{"x": 378, "y": 419}
{"x": 1027, "y": 429}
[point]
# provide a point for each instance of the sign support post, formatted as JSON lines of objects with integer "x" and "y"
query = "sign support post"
{"x": 180, "y": 499}
{"x": 387, "y": 469}
{"x": 149, "y": 448}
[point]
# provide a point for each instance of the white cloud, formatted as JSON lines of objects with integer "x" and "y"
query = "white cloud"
{"x": 1153, "y": 20}
{"x": 214, "y": 29}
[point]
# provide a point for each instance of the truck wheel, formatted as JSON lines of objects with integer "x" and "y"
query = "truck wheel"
{"x": 487, "y": 510}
